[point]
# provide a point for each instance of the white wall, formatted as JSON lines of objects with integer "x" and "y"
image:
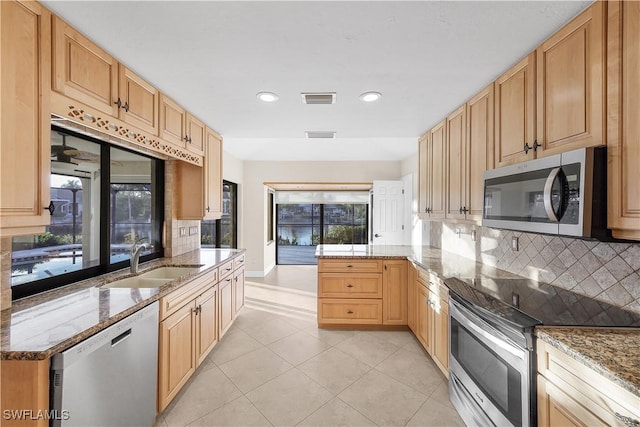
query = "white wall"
{"x": 261, "y": 256}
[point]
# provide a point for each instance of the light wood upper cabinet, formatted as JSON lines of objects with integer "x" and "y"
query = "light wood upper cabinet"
{"x": 423, "y": 172}
{"x": 172, "y": 121}
{"x": 570, "y": 85}
{"x": 213, "y": 176}
{"x": 394, "y": 292}
{"x": 479, "y": 149}
{"x": 515, "y": 113}
{"x": 436, "y": 175}
{"x": 82, "y": 70}
{"x": 456, "y": 164}
{"x": 25, "y": 131}
{"x": 138, "y": 101}
{"x": 623, "y": 126}
{"x": 195, "y": 134}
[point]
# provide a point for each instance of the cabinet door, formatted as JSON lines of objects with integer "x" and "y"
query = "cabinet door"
{"x": 570, "y": 84}
{"x": 556, "y": 408}
{"x": 424, "y": 323}
{"x": 213, "y": 176}
{"x": 82, "y": 71}
{"x": 176, "y": 358}
{"x": 189, "y": 193}
{"x": 139, "y": 101}
{"x": 196, "y": 135}
{"x": 437, "y": 170}
{"x": 412, "y": 312}
{"x": 423, "y": 171}
{"x": 479, "y": 149}
{"x": 515, "y": 113}
{"x": 238, "y": 291}
{"x": 440, "y": 308}
{"x": 206, "y": 323}
{"x": 25, "y": 158}
{"x": 455, "y": 172}
{"x": 225, "y": 287}
{"x": 623, "y": 145}
{"x": 334, "y": 311}
{"x": 172, "y": 121}
{"x": 394, "y": 292}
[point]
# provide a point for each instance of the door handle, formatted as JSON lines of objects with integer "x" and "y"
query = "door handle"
{"x": 377, "y": 235}
{"x": 556, "y": 173}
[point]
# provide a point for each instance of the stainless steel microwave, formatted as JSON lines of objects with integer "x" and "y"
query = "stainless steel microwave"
{"x": 561, "y": 194}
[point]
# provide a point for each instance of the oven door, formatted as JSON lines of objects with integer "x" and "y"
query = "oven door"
{"x": 490, "y": 374}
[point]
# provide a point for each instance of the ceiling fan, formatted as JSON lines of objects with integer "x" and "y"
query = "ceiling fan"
{"x": 62, "y": 153}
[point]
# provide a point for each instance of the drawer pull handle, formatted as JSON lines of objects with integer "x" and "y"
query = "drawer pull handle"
{"x": 227, "y": 269}
{"x": 349, "y": 266}
{"x": 349, "y": 285}
{"x": 628, "y": 421}
{"x": 349, "y": 312}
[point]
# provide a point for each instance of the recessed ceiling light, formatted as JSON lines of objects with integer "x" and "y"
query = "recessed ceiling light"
{"x": 267, "y": 96}
{"x": 370, "y": 96}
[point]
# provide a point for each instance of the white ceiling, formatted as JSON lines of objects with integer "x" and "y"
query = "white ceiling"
{"x": 213, "y": 57}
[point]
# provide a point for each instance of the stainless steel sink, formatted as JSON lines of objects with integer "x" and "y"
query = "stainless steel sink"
{"x": 138, "y": 282}
{"x": 169, "y": 272}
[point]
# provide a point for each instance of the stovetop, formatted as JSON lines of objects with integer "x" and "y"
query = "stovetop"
{"x": 547, "y": 304}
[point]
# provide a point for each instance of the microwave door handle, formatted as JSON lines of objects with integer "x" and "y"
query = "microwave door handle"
{"x": 548, "y": 187}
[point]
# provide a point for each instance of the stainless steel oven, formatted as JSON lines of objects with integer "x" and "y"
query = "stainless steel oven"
{"x": 491, "y": 379}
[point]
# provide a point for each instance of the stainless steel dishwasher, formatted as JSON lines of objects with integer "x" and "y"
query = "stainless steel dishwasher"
{"x": 109, "y": 379}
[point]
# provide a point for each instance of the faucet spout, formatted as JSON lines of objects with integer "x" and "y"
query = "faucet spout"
{"x": 136, "y": 251}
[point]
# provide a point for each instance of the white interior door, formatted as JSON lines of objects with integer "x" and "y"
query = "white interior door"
{"x": 388, "y": 208}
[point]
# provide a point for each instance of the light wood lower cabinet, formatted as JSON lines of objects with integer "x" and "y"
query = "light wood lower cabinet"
{"x": 350, "y": 285}
{"x": 572, "y": 394}
{"x": 238, "y": 291}
{"x": 394, "y": 292}
{"x": 424, "y": 317}
{"x": 350, "y": 311}
{"x": 226, "y": 304}
{"x": 24, "y": 386}
{"x": 412, "y": 298}
{"x": 206, "y": 323}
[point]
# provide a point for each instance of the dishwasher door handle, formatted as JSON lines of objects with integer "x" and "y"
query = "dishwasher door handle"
{"x": 123, "y": 336}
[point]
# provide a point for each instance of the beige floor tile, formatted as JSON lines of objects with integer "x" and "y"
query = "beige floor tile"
{"x": 207, "y": 390}
{"x": 336, "y": 413}
{"x": 398, "y": 338}
{"x": 382, "y": 399}
{"x": 298, "y": 347}
{"x": 330, "y": 336}
{"x": 334, "y": 369}
{"x": 289, "y": 398}
{"x": 441, "y": 394}
{"x": 413, "y": 370}
{"x": 368, "y": 348}
{"x": 239, "y": 412}
{"x": 160, "y": 422}
{"x": 251, "y": 317}
{"x": 435, "y": 414}
{"x": 415, "y": 346}
{"x": 235, "y": 343}
{"x": 254, "y": 369}
{"x": 271, "y": 331}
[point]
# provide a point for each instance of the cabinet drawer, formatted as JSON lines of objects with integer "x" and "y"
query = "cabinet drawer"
{"x": 350, "y": 265}
{"x": 340, "y": 285}
{"x": 603, "y": 398}
{"x": 171, "y": 303}
{"x": 225, "y": 269}
{"x": 238, "y": 262}
{"x": 350, "y": 311}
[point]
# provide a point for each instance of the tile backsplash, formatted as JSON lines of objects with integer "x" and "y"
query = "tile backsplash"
{"x": 606, "y": 271}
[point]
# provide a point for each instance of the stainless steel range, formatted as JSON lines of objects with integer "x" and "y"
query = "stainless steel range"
{"x": 492, "y": 356}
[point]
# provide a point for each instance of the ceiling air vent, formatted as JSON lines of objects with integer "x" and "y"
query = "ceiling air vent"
{"x": 320, "y": 134}
{"x": 319, "y": 97}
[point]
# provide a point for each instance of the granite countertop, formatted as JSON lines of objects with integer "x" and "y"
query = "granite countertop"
{"x": 38, "y": 327}
{"x": 613, "y": 353}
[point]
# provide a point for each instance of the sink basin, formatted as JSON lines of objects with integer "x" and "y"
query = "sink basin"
{"x": 169, "y": 272}
{"x": 138, "y": 282}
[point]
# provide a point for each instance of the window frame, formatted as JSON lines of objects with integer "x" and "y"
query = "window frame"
{"x": 105, "y": 265}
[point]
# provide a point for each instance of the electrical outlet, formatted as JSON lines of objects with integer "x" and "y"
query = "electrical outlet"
{"x": 182, "y": 231}
{"x": 473, "y": 235}
{"x": 514, "y": 244}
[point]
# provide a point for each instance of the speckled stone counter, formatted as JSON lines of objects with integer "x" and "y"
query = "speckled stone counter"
{"x": 38, "y": 327}
{"x": 613, "y": 353}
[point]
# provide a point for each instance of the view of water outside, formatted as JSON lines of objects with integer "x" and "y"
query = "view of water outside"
{"x": 301, "y": 227}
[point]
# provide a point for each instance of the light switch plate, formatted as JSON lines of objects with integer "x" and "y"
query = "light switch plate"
{"x": 514, "y": 244}
{"x": 182, "y": 231}
{"x": 193, "y": 230}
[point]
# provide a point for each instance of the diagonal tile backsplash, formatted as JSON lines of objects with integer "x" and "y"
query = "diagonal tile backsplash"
{"x": 605, "y": 271}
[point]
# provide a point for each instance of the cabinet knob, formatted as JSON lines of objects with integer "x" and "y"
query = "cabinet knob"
{"x": 349, "y": 285}
{"x": 208, "y": 209}
{"x": 118, "y": 103}
{"x": 126, "y": 107}
{"x": 51, "y": 208}
{"x": 349, "y": 312}
{"x": 349, "y": 266}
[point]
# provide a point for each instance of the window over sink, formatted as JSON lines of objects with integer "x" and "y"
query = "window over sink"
{"x": 104, "y": 199}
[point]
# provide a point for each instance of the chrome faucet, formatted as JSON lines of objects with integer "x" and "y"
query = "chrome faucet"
{"x": 136, "y": 250}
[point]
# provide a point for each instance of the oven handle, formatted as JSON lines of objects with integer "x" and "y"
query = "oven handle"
{"x": 503, "y": 342}
{"x": 556, "y": 173}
